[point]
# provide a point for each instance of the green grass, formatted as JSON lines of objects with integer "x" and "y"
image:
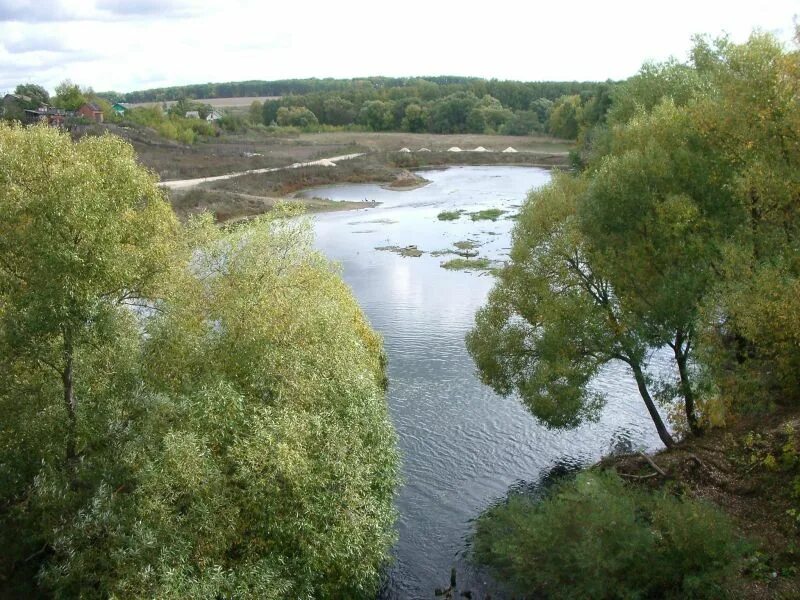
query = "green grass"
{"x": 490, "y": 214}
{"x": 467, "y": 245}
{"x": 450, "y": 215}
{"x": 405, "y": 251}
{"x": 466, "y": 264}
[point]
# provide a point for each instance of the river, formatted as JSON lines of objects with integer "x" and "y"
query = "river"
{"x": 463, "y": 447}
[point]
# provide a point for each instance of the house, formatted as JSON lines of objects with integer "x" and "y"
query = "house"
{"x": 214, "y": 115}
{"x": 120, "y": 108}
{"x": 193, "y": 114}
{"x": 52, "y": 116}
{"x": 14, "y": 105}
{"x": 91, "y": 111}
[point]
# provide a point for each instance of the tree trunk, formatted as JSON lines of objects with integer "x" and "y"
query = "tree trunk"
{"x": 666, "y": 438}
{"x": 681, "y": 358}
{"x": 69, "y": 396}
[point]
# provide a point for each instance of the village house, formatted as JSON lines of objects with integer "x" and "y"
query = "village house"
{"x": 91, "y": 111}
{"x": 120, "y": 108}
{"x": 52, "y": 116}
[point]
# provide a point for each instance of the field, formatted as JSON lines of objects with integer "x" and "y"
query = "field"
{"x": 215, "y": 102}
{"x": 256, "y": 193}
{"x": 258, "y": 150}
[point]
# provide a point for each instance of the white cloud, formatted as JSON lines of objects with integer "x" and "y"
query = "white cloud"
{"x": 125, "y": 45}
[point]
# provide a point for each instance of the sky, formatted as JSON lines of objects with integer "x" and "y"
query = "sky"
{"x": 127, "y": 45}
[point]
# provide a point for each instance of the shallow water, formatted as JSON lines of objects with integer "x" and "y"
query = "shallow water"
{"x": 463, "y": 446}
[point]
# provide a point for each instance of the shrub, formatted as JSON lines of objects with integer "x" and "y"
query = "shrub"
{"x": 596, "y": 537}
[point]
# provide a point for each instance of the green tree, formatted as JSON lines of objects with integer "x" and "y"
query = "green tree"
{"x": 38, "y": 95}
{"x": 296, "y": 116}
{"x": 565, "y": 117}
{"x": 751, "y": 116}
{"x": 69, "y": 96}
{"x": 339, "y": 111}
{"x": 450, "y": 114}
{"x": 227, "y": 436}
{"x": 552, "y": 320}
{"x": 377, "y": 115}
{"x": 415, "y": 119}
{"x": 522, "y": 123}
{"x": 656, "y": 215}
{"x": 256, "y": 112}
{"x": 88, "y": 233}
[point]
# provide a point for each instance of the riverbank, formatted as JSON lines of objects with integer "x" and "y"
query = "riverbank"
{"x": 748, "y": 472}
{"x": 249, "y": 194}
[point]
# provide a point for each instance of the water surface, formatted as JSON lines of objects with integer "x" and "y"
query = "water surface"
{"x": 462, "y": 446}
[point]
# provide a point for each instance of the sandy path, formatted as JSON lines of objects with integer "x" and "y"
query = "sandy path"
{"x": 182, "y": 184}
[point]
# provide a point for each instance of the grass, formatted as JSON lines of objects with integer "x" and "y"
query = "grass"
{"x": 450, "y": 215}
{"x": 466, "y": 264}
{"x": 229, "y": 206}
{"x": 404, "y": 251}
{"x": 264, "y": 148}
{"x": 489, "y": 214}
{"x": 467, "y": 245}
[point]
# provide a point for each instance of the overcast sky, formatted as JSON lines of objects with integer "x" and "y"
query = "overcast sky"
{"x": 126, "y": 45}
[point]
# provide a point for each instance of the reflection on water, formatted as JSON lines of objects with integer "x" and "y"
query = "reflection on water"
{"x": 463, "y": 446}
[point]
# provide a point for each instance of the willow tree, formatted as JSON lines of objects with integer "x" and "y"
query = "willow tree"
{"x": 656, "y": 211}
{"x": 226, "y": 437}
{"x": 751, "y": 116}
{"x": 84, "y": 230}
{"x": 552, "y": 320}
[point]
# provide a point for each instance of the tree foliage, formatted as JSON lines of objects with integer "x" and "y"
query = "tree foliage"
{"x": 552, "y": 320}
{"x": 436, "y": 105}
{"x": 69, "y": 96}
{"x": 596, "y": 537}
{"x": 687, "y": 212}
{"x": 227, "y": 435}
{"x": 37, "y": 94}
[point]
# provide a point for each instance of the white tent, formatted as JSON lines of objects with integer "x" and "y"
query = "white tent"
{"x": 454, "y": 149}
{"x": 481, "y": 149}
{"x": 404, "y": 150}
{"x": 423, "y": 150}
{"x": 509, "y": 149}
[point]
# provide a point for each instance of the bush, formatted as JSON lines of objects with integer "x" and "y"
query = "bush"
{"x": 596, "y": 537}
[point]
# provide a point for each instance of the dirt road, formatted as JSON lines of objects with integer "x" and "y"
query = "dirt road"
{"x": 182, "y": 184}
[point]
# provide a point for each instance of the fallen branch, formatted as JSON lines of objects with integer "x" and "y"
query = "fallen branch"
{"x": 648, "y": 476}
{"x": 652, "y": 464}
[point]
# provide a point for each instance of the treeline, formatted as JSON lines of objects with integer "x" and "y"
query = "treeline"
{"x": 436, "y": 105}
{"x": 517, "y": 95}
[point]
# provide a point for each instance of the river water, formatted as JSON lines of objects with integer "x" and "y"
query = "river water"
{"x": 463, "y": 447}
